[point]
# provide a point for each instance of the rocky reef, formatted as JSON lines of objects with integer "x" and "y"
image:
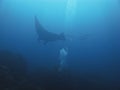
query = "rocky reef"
{"x": 13, "y": 76}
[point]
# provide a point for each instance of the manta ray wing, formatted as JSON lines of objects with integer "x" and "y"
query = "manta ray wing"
{"x": 39, "y": 28}
{"x": 46, "y": 36}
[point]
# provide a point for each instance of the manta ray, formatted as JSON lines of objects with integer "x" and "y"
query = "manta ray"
{"x": 46, "y": 36}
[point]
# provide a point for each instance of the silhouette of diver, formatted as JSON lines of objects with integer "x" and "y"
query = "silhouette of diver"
{"x": 62, "y": 57}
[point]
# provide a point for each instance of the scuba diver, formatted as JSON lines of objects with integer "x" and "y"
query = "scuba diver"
{"x": 62, "y": 57}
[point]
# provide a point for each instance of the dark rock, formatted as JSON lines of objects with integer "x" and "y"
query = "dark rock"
{"x": 15, "y": 62}
{"x": 13, "y": 69}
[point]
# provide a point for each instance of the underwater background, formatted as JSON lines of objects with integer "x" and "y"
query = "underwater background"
{"x": 92, "y": 28}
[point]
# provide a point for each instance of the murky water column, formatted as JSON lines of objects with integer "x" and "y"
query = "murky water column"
{"x": 69, "y": 25}
{"x": 1, "y": 26}
{"x": 1, "y": 37}
{"x": 70, "y": 15}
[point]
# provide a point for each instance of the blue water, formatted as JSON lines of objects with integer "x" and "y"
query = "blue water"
{"x": 93, "y": 58}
